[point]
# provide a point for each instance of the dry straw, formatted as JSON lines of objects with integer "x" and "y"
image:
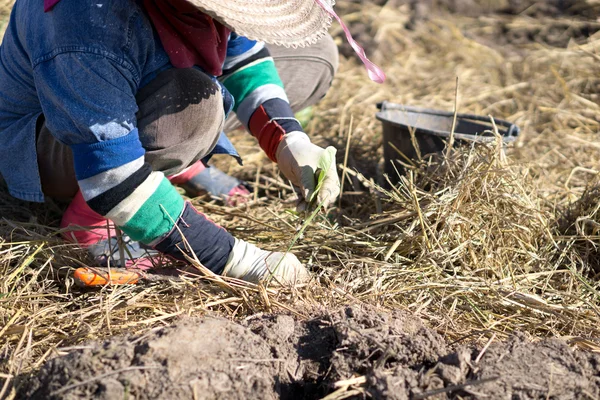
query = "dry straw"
{"x": 483, "y": 242}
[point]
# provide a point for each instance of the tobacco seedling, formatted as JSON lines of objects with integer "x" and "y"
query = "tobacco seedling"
{"x": 323, "y": 166}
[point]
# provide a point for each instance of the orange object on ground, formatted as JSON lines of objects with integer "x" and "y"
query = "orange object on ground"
{"x": 88, "y": 277}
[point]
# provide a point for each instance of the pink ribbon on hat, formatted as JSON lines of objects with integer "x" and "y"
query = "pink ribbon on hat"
{"x": 48, "y": 4}
{"x": 375, "y": 73}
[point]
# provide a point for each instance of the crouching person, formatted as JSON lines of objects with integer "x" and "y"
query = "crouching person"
{"x": 113, "y": 103}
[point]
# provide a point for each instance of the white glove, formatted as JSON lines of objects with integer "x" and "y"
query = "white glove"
{"x": 297, "y": 158}
{"x": 252, "y": 264}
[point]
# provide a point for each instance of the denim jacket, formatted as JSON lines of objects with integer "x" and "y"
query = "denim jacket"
{"x": 44, "y": 62}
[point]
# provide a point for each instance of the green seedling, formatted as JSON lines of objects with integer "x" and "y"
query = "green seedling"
{"x": 323, "y": 165}
{"x": 304, "y": 116}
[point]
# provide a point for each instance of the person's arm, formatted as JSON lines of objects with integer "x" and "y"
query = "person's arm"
{"x": 263, "y": 108}
{"x": 89, "y": 104}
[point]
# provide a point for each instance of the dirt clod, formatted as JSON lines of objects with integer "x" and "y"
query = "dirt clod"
{"x": 207, "y": 358}
{"x": 277, "y": 356}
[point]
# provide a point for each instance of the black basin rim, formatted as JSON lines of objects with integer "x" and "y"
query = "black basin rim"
{"x": 510, "y": 135}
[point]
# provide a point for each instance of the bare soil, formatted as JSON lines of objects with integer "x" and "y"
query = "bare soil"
{"x": 276, "y": 356}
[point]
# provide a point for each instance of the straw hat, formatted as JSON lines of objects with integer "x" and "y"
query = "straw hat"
{"x": 290, "y": 23}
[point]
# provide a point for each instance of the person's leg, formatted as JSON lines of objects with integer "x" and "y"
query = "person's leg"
{"x": 55, "y": 163}
{"x": 180, "y": 118}
{"x": 177, "y": 135}
{"x": 306, "y": 73}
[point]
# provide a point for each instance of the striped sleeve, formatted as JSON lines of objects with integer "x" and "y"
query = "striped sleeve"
{"x": 262, "y": 105}
{"x": 117, "y": 183}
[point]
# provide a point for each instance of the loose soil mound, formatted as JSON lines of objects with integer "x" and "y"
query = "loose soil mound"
{"x": 208, "y": 358}
{"x": 355, "y": 352}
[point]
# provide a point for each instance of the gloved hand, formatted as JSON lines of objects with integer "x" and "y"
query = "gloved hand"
{"x": 249, "y": 263}
{"x": 298, "y": 158}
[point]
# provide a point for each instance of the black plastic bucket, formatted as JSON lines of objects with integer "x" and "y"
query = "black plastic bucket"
{"x": 431, "y": 130}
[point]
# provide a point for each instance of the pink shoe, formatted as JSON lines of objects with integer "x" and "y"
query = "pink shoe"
{"x": 199, "y": 179}
{"x": 98, "y": 236}
{"x": 237, "y": 196}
